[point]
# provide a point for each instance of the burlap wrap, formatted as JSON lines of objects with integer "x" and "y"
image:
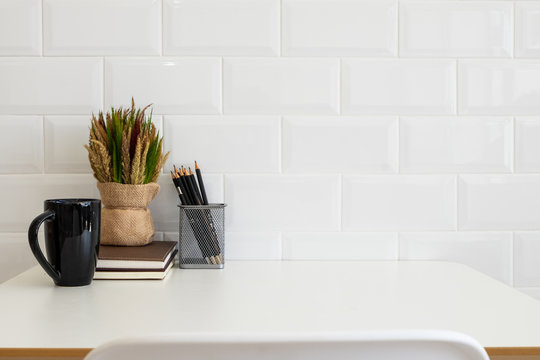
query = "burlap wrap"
{"x": 125, "y": 218}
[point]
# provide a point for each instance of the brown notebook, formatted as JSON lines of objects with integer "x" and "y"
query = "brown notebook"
{"x": 155, "y": 255}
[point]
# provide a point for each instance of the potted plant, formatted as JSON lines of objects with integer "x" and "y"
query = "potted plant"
{"x": 125, "y": 153}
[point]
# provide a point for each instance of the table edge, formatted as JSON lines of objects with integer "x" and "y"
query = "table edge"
{"x": 82, "y": 352}
{"x": 513, "y": 351}
{"x": 44, "y": 352}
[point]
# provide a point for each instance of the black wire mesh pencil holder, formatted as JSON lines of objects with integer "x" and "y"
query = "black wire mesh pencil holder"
{"x": 202, "y": 236}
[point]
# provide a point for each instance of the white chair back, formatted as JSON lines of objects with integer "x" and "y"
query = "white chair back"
{"x": 403, "y": 345}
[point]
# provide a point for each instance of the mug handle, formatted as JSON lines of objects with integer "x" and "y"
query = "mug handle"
{"x": 34, "y": 244}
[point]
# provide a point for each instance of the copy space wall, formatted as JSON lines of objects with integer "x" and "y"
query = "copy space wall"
{"x": 333, "y": 129}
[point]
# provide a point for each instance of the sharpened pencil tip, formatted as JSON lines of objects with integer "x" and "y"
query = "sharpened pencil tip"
{"x": 197, "y": 166}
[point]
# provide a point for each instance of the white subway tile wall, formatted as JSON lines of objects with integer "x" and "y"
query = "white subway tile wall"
{"x": 339, "y": 28}
{"x": 21, "y": 21}
{"x": 528, "y": 29}
{"x": 398, "y": 87}
{"x": 499, "y": 87}
{"x": 527, "y": 132}
{"x": 526, "y": 265}
{"x": 172, "y": 85}
{"x": 224, "y": 143}
{"x": 333, "y": 129}
{"x": 344, "y": 246}
{"x": 280, "y": 86}
{"x": 456, "y": 144}
{"x": 216, "y": 27}
{"x": 64, "y": 135}
{"x": 361, "y": 145}
{"x": 40, "y": 85}
{"x": 101, "y": 27}
{"x": 399, "y": 202}
{"x": 454, "y": 29}
{"x": 24, "y": 133}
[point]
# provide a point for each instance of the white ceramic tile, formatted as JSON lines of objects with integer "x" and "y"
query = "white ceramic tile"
{"x": 340, "y": 144}
{"x": 406, "y": 87}
{"x": 170, "y": 236}
{"x": 221, "y": 27}
{"x": 252, "y": 246}
{"x": 452, "y": 144}
{"x": 275, "y": 86}
{"x": 21, "y": 144}
{"x": 164, "y": 208}
{"x": 15, "y": 255}
{"x": 282, "y": 203}
{"x": 528, "y": 29}
{"x": 65, "y": 136}
{"x": 224, "y": 143}
{"x": 499, "y": 202}
{"x": 50, "y": 85}
{"x": 456, "y": 28}
{"x": 173, "y": 85}
{"x": 399, "y": 203}
{"x": 23, "y": 196}
{"x": 499, "y": 87}
{"x": 340, "y": 246}
{"x": 528, "y": 144}
{"x": 339, "y": 27}
{"x": 487, "y": 252}
{"x": 526, "y": 255}
{"x": 20, "y": 27}
{"x": 102, "y": 27}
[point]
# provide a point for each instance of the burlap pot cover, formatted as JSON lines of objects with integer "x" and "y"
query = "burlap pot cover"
{"x": 125, "y": 218}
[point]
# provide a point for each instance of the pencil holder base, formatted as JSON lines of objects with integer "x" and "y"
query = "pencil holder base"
{"x": 202, "y": 236}
{"x": 201, "y": 266}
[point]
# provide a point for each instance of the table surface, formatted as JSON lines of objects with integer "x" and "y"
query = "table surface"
{"x": 269, "y": 297}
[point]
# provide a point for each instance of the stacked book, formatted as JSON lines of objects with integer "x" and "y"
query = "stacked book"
{"x": 152, "y": 261}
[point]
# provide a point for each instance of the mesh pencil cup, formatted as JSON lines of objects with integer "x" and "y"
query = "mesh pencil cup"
{"x": 202, "y": 236}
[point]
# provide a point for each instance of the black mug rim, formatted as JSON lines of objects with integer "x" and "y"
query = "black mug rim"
{"x": 72, "y": 201}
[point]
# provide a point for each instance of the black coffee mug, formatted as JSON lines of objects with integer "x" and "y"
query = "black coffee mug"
{"x": 72, "y": 229}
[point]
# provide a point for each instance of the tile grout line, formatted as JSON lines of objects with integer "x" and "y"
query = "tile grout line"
{"x": 398, "y": 147}
{"x": 512, "y": 264}
{"x": 341, "y": 202}
{"x": 398, "y": 38}
{"x": 162, "y": 29}
{"x": 281, "y": 247}
{"x": 222, "y": 109}
{"x": 42, "y": 28}
{"x": 103, "y": 82}
{"x": 340, "y": 75}
{"x": 280, "y": 28}
{"x": 43, "y": 148}
{"x": 223, "y": 187}
{"x": 398, "y": 237}
{"x": 280, "y": 145}
{"x": 457, "y": 222}
{"x": 457, "y": 112}
{"x": 514, "y": 133}
{"x": 514, "y": 30}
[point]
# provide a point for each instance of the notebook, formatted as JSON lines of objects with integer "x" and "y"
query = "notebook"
{"x": 155, "y": 255}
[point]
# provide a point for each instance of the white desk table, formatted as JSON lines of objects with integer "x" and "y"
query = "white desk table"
{"x": 40, "y": 319}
